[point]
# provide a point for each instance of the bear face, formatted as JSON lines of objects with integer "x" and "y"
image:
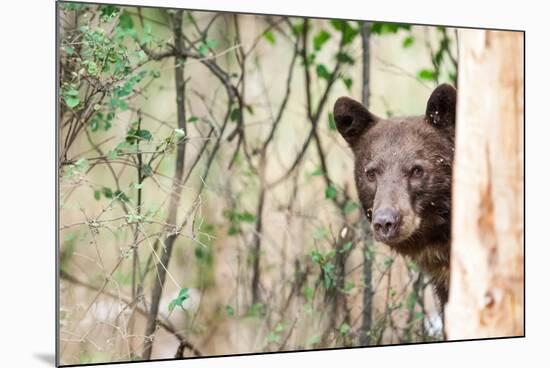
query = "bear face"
{"x": 403, "y": 175}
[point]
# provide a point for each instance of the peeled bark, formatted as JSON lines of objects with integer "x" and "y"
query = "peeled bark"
{"x": 487, "y": 257}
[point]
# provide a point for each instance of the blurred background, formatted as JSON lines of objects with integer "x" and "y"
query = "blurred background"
{"x": 207, "y": 202}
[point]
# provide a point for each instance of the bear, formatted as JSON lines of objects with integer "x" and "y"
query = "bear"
{"x": 403, "y": 177}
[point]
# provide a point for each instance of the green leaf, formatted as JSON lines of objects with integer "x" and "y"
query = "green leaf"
{"x": 427, "y": 74}
{"x": 411, "y": 300}
{"x": 279, "y": 328}
{"x": 192, "y": 119}
{"x": 178, "y": 301}
{"x": 125, "y": 21}
{"x": 90, "y": 358}
{"x": 118, "y": 103}
{"x": 320, "y": 233}
{"x": 344, "y": 329}
{"x": 270, "y": 37}
{"x": 121, "y": 196}
{"x": 73, "y": 6}
{"x": 452, "y": 76}
{"x": 147, "y": 37}
{"x": 107, "y": 192}
{"x": 322, "y": 72}
{"x": 205, "y": 46}
{"x": 330, "y": 192}
{"x": 71, "y": 97}
{"x": 349, "y": 286}
{"x": 316, "y": 256}
{"x": 97, "y": 195}
{"x": 233, "y": 230}
{"x": 94, "y": 123}
{"x": 147, "y": 170}
{"x": 345, "y": 58}
{"x": 315, "y": 339}
{"x": 272, "y": 337}
{"x": 142, "y": 134}
{"x": 320, "y": 39}
{"x": 255, "y": 310}
{"x": 369, "y": 254}
{"x": 122, "y": 278}
{"x": 380, "y": 28}
{"x": 246, "y": 217}
{"x": 70, "y": 237}
{"x": 350, "y": 206}
{"x": 331, "y": 121}
{"x": 310, "y": 59}
{"x": 339, "y": 25}
{"x": 408, "y": 41}
{"x": 127, "y": 88}
{"x": 316, "y": 172}
{"x": 112, "y": 154}
{"x": 108, "y": 12}
{"x": 91, "y": 67}
{"x": 69, "y": 50}
{"x": 249, "y": 109}
{"x": 346, "y": 247}
{"x": 438, "y": 57}
{"x": 308, "y": 293}
{"x": 82, "y": 164}
{"x": 235, "y": 114}
{"x": 297, "y": 28}
{"x": 348, "y": 32}
{"x": 141, "y": 55}
{"x": 211, "y": 44}
{"x": 202, "y": 50}
{"x": 229, "y": 310}
{"x": 347, "y": 82}
{"x": 122, "y": 105}
{"x": 200, "y": 253}
{"x": 328, "y": 278}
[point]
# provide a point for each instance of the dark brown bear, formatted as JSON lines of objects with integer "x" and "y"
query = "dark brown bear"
{"x": 403, "y": 174}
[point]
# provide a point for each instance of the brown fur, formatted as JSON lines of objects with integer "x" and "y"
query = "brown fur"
{"x": 387, "y": 154}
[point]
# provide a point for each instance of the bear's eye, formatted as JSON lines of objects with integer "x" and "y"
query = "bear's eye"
{"x": 417, "y": 171}
{"x": 371, "y": 175}
{"x": 368, "y": 213}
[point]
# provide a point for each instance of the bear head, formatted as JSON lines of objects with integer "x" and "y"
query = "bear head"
{"x": 403, "y": 169}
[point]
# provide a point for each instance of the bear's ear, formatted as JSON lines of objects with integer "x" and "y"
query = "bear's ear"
{"x": 441, "y": 108}
{"x": 352, "y": 118}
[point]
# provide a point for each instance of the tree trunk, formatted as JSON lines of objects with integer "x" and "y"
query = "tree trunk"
{"x": 487, "y": 275}
{"x": 366, "y": 324}
{"x": 166, "y": 253}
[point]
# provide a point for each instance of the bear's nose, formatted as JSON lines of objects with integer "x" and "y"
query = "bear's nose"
{"x": 386, "y": 223}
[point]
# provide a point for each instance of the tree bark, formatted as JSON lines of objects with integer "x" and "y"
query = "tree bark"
{"x": 487, "y": 267}
{"x": 166, "y": 253}
{"x": 366, "y": 324}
